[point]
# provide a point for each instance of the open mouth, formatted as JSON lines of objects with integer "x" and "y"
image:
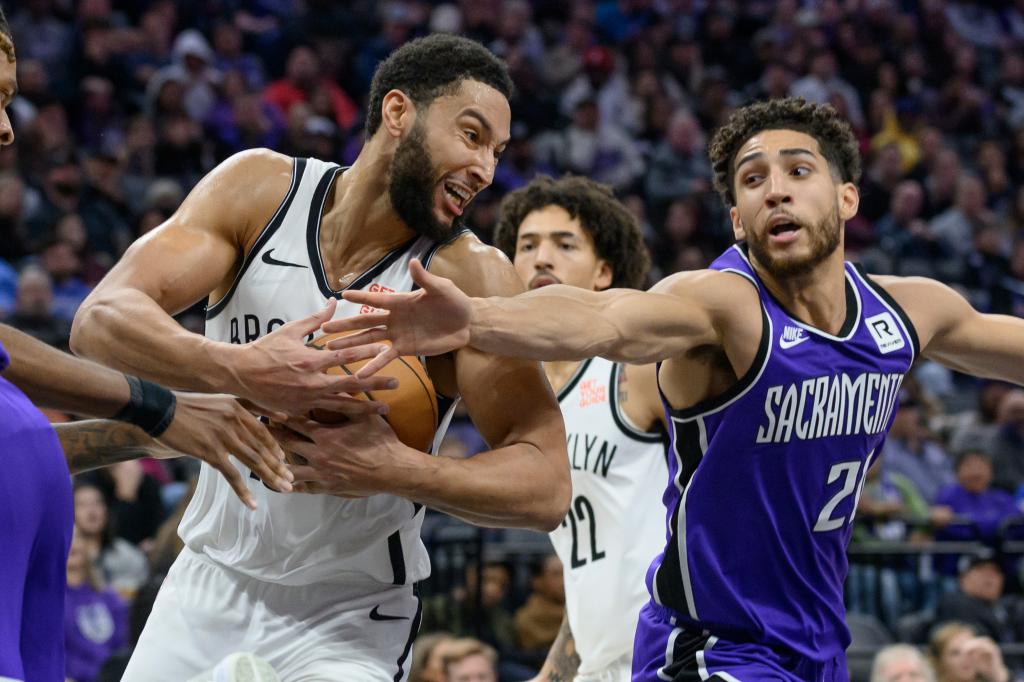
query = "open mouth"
{"x": 457, "y": 196}
{"x": 782, "y": 228}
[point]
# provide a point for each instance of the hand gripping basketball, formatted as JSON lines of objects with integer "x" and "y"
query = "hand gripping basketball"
{"x": 432, "y": 320}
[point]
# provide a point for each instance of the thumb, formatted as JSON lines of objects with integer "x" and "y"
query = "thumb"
{"x": 422, "y": 277}
{"x": 310, "y": 324}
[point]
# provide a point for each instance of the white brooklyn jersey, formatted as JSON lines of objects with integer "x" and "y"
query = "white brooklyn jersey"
{"x": 298, "y": 539}
{"x": 615, "y": 526}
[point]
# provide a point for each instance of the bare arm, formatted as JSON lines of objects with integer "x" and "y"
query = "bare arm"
{"x": 52, "y": 378}
{"x": 562, "y": 662}
{"x": 99, "y": 442}
{"x": 954, "y": 334}
{"x": 126, "y": 322}
{"x": 552, "y": 323}
{"x": 206, "y": 426}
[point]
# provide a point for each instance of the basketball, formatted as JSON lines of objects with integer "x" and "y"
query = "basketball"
{"x": 413, "y": 405}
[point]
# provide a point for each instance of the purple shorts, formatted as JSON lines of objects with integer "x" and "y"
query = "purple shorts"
{"x": 665, "y": 652}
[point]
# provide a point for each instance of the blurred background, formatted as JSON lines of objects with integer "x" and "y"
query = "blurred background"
{"x": 124, "y": 105}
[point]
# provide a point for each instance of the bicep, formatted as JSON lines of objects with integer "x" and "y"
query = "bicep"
{"x": 176, "y": 264}
{"x": 509, "y": 400}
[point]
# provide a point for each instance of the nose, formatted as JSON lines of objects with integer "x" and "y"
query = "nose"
{"x": 544, "y": 255}
{"x": 778, "y": 189}
{"x": 483, "y": 170}
{"x": 6, "y": 130}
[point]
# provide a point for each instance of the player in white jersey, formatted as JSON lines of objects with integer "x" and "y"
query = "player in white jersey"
{"x": 322, "y": 585}
{"x": 573, "y": 231}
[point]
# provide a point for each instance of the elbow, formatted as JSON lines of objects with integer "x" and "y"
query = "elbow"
{"x": 552, "y": 507}
{"x": 83, "y": 328}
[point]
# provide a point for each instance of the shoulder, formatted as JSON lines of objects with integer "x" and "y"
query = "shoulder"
{"x": 931, "y": 305}
{"x": 479, "y": 270}
{"x": 721, "y": 293}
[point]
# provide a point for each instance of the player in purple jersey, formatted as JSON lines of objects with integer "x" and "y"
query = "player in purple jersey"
{"x": 780, "y": 368}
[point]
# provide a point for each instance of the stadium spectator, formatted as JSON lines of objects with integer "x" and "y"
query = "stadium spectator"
{"x": 901, "y": 663}
{"x": 979, "y": 601}
{"x": 468, "y": 660}
{"x": 959, "y": 655}
{"x": 971, "y": 498}
{"x": 121, "y": 565}
{"x": 96, "y": 617}
{"x": 33, "y": 309}
{"x": 538, "y": 620}
{"x": 910, "y": 451}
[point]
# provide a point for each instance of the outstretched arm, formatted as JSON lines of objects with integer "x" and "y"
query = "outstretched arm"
{"x": 552, "y": 323}
{"x": 954, "y": 334}
{"x": 209, "y": 427}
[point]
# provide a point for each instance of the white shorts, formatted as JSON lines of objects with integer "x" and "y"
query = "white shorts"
{"x": 619, "y": 670}
{"x": 311, "y": 633}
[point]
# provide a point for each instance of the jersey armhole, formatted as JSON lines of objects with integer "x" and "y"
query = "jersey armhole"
{"x": 298, "y": 169}
{"x": 891, "y": 303}
{"x": 622, "y": 420}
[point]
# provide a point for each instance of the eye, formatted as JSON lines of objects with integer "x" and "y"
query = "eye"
{"x": 751, "y": 179}
{"x": 471, "y": 135}
{"x": 567, "y": 246}
{"x": 801, "y": 171}
{"x": 523, "y": 248}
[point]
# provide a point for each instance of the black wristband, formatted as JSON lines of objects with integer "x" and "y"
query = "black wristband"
{"x": 150, "y": 407}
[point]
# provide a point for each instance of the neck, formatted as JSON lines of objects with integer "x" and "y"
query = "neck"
{"x": 359, "y": 224}
{"x": 817, "y": 298}
{"x": 558, "y": 373}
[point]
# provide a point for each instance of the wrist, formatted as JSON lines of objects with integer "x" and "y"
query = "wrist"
{"x": 480, "y": 312}
{"x": 411, "y": 473}
{"x": 226, "y": 361}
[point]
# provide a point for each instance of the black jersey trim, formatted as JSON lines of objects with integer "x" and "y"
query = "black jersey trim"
{"x": 414, "y": 628}
{"x": 887, "y": 299}
{"x": 739, "y": 388}
{"x": 397, "y": 557}
{"x": 621, "y": 419}
{"x": 437, "y": 246}
{"x": 298, "y": 169}
{"x": 670, "y": 581}
{"x": 574, "y": 379}
{"x": 316, "y": 261}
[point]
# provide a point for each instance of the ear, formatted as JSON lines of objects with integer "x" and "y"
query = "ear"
{"x": 397, "y": 114}
{"x": 604, "y": 275}
{"x": 737, "y": 225}
{"x": 849, "y": 200}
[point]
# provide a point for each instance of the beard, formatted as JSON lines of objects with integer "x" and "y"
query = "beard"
{"x": 411, "y": 187}
{"x": 824, "y": 237}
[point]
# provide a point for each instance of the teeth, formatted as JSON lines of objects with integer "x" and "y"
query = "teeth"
{"x": 457, "y": 193}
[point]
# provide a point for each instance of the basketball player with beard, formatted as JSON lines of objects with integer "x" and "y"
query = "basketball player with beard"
{"x": 780, "y": 367}
{"x": 572, "y": 231}
{"x": 322, "y": 585}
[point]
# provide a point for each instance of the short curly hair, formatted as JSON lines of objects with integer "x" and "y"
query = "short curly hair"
{"x": 7, "y": 43}
{"x": 613, "y": 229}
{"x": 821, "y": 121}
{"x": 427, "y": 68}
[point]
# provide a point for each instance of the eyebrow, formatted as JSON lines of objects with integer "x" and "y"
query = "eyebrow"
{"x": 564, "y": 234}
{"x": 794, "y": 151}
{"x": 473, "y": 113}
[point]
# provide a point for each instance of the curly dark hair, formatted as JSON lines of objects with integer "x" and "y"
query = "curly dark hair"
{"x": 821, "y": 121}
{"x": 427, "y": 68}
{"x": 612, "y": 228}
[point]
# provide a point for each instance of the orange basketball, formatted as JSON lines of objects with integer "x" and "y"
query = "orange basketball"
{"x": 413, "y": 404}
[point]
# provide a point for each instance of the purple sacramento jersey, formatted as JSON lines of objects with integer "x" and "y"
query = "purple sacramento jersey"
{"x": 36, "y": 518}
{"x": 763, "y": 486}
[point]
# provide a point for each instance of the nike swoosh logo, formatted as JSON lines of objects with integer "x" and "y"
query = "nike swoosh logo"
{"x": 273, "y": 261}
{"x": 377, "y": 615}
{"x": 783, "y": 343}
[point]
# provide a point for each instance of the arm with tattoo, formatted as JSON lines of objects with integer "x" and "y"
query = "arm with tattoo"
{"x": 100, "y": 442}
{"x": 562, "y": 661}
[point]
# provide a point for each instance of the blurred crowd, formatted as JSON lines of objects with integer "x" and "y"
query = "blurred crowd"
{"x": 123, "y": 106}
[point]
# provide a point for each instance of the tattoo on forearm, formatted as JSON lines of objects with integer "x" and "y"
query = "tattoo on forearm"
{"x": 563, "y": 657}
{"x": 99, "y": 442}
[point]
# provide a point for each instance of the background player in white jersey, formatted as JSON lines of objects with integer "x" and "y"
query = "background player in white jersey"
{"x": 572, "y": 231}
{"x": 769, "y": 512}
{"x": 322, "y": 586}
